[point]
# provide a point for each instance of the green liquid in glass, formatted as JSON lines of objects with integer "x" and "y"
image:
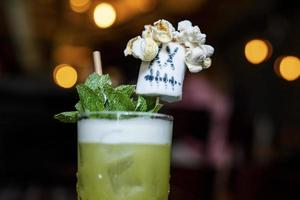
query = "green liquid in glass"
{"x": 123, "y": 171}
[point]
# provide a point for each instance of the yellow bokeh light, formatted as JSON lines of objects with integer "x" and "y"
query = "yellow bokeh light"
{"x": 289, "y": 68}
{"x": 65, "y": 76}
{"x": 257, "y": 51}
{"x": 104, "y": 15}
{"x": 80, "y": 6}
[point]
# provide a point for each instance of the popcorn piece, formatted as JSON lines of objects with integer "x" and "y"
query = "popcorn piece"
{"x": 196, "y": 59}
{"x": 163, "y": 31}
{"x": 149, "y": 49}
{"x": 144, "y": 49}
{"x": 190, "y": 36}
{"x": 147, "y": 33}
{"x": 206, "y": 63}
{"x": 184, "y": 25}
{"x": 209, "y": 50}
{"x": 128, "y": 50}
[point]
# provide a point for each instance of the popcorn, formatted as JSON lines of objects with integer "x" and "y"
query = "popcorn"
{"x": 147, "y": 33}
{"x": 197, "y": 53}
{"x": 206, "y": 63}
{"x": 145, "y": 49}
{"x": 190, "y": 36}
{"x": 197, "y": 58}
{"x": 165, "y": 53}
{"x": 209, "y": 50}
{"x": 184, "y": 25}
{"x": 163, "y": 31}
{"x": 128, "y": 50}
{"x": 150, "y": 49}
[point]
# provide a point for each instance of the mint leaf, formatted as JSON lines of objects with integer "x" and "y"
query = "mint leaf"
{"x": 156, "y": 108}
{"x": 141, "y": 105}
{"x": 89, "y": 100}
{"x": 67, "y": 117}
{"x": 105, "y": 91}
{"x": 126, "y": 89}
{"x": 157, "y": 105}
{"x": 150, "y": 101}
{"x": 116, "y": 100}
{"x": 95, "y": 81}
{"x": 79, "y": 107}
{"x": 120, "y": 102}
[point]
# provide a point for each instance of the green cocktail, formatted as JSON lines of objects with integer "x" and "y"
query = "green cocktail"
{"x": 124, "y": 156}
{"x": 123, "y": 146}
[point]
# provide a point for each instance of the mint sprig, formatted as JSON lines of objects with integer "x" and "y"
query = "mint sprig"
{"x": 90, "y": 101}
{"x": 67, "y": 117}
{"x": 141, "y": 104}
{"x": 97, "y": 94}
{"x": 95, "y": 81}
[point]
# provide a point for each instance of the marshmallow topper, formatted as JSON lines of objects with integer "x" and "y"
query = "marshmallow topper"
{"x": 165, "y": 53}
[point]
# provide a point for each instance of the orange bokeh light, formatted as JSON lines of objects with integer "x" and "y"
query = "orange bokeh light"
{"x": 257, "y": 51}
{"x": 65, "y": 76}
{"x": 288, "y": 67}
{"x": 80, "y": 6}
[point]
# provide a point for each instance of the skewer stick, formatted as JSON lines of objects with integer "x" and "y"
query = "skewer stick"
{"x": 97, "y": 62}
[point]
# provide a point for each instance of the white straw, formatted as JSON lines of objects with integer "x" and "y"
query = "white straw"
{"x": 97, "y": 62}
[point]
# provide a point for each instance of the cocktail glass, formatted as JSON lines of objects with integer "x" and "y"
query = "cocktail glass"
{"x": 124, "y": 156}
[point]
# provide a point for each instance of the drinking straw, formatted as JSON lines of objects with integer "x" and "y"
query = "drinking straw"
{"x": 97, "y": 62}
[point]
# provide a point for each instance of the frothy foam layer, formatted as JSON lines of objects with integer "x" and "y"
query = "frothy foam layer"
{"x": 142, "y": 131}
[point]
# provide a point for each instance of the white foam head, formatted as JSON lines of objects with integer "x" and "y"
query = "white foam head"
{"x": 133, "y": 131}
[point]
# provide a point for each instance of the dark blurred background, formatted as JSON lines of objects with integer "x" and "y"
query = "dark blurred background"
{"x": 236, "y": 132}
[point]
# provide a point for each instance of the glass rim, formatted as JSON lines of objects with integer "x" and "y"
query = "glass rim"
{"x": 126, "y": 113}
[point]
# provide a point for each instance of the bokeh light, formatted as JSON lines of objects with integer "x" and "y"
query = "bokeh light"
{"x": 257, "y": 51}
{"x": 65, "y": 76}
{"x": 288, "y": 67}
{"x": 80, "y": 6}
{"x": 104, "y": 15}
{"x": 74, "y": 55}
